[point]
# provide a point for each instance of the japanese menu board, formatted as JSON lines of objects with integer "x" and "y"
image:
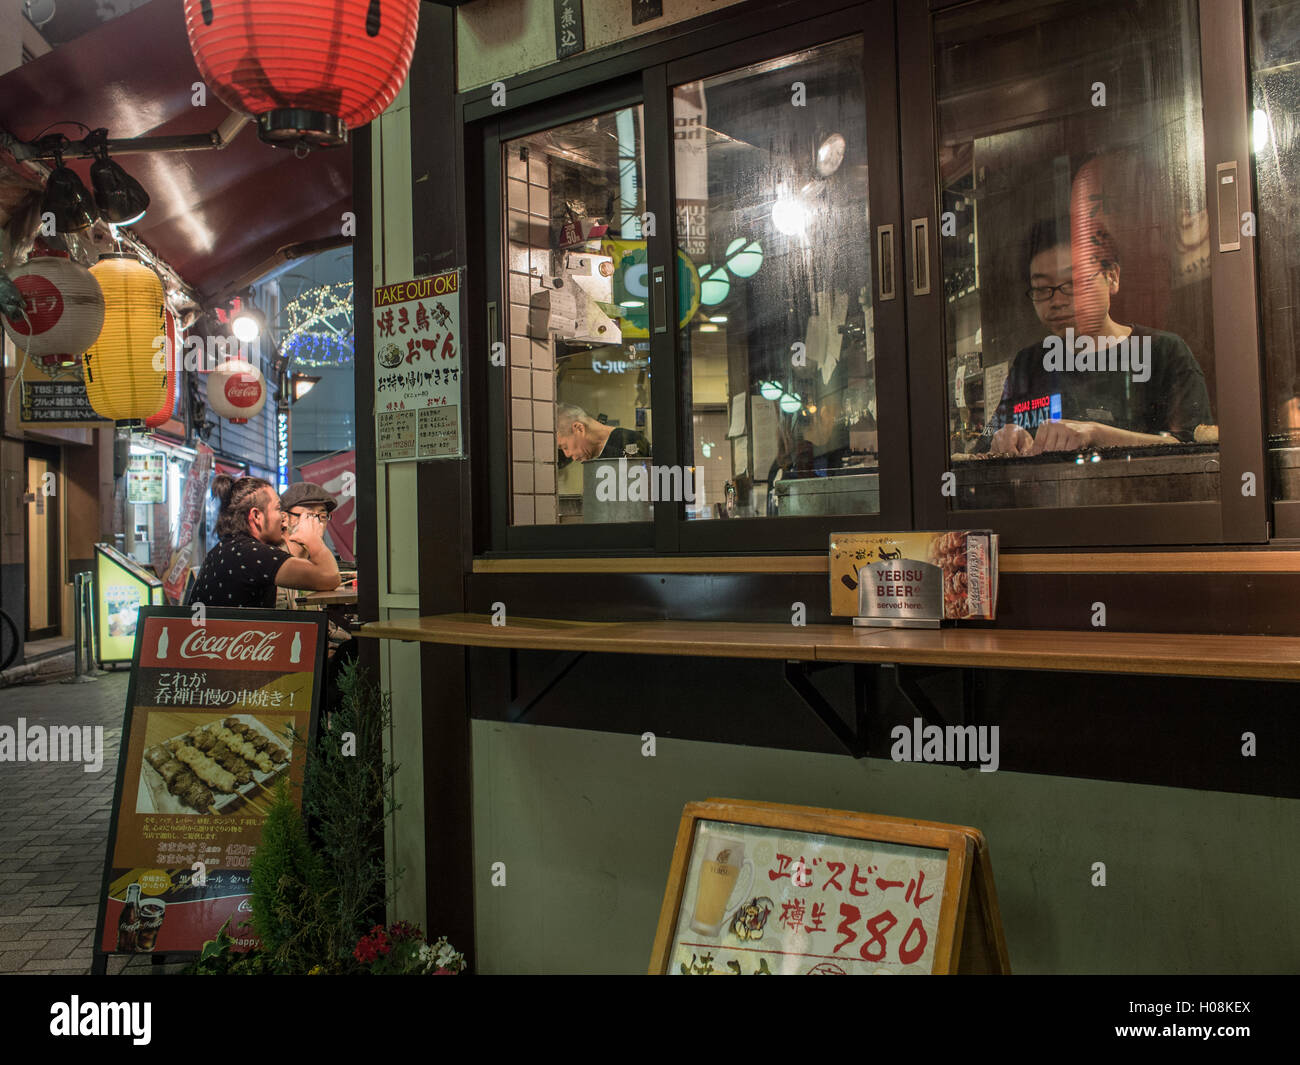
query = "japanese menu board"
{"x": 418, "y": 368}
{"x": 762, "y": 889}
{"x": 146, "y": 478}
{"x": 211, "y": 710}
{"x": 57, "y": 403}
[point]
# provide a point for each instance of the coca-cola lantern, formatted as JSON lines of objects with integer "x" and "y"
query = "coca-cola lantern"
{"x": 237, "y": 390}
{"x": 307, "y": 70}
{"x": 64, "y": 306}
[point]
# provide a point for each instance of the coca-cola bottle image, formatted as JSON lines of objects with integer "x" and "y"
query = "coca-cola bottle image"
{"x": 128, "y": 925}
{"x": 295, "y": 648}
{"x": 162, "y": 644}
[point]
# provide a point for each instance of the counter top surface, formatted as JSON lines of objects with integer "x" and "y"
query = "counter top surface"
{"x": 1239, "y": 657}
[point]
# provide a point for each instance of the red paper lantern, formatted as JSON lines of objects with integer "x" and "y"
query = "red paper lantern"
{"x": 174, "y": 344}
{"x": 307, "y": 70}
{"x": 64, "y": 306}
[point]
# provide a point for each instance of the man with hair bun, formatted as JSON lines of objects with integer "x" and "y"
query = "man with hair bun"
{"x": 248, "y": 562}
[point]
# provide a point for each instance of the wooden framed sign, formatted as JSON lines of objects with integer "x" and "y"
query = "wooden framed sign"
{"x": 210, "y": 713}
{"x": 763, "y": 888}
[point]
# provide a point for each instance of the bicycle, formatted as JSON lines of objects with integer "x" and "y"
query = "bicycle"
{"x": 9, "y": 642}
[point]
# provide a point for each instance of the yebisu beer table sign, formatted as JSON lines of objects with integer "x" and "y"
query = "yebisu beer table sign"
{"x": 765, "y": 889}
{"x": 914, "y": 580}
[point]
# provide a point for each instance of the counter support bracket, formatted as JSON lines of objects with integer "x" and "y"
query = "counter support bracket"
{"x": 854, "y": 741}
{"x": 905, "y": 683}
{"x": 522, "y": 703}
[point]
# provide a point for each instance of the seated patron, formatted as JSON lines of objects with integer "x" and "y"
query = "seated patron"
{"x": 248, "y": 563}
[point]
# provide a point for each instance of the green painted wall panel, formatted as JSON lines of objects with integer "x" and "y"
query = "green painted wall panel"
{"x": 1196, "y": 881}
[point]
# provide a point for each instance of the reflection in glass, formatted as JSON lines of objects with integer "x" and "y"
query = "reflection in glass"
{"x": 576, "y": 322}
{"x": 1275, "y": 140}
{"x": 774, "y": 287}
{"x": 1074, "y": 243}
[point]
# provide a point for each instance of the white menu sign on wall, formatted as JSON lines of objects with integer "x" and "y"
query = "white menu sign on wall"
{"x": 418, "y": 369}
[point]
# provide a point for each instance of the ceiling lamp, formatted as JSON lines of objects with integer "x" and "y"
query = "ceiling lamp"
{"x": 122, "y": 381}
{"x": 67, "y": 199}
{"x": 63, "y": 309}
{"x": 237, "y": 390}
{"x": 308, "y": 70}
{"x": 247, "y": 322}
{"x": 174, "y": 344}
{"x": 120, "y": 198}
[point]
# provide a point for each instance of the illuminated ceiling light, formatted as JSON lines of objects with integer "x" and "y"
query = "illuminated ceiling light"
{"x": 708, "y": 329}
{"x": 830, "y": 155}
{"x": 632, "y": 303}
{"x": 247, "y": 323}
{"x": 770, "y": 390}
{"x": 744, "y": 257}
{"x": 1259, "y": 131}
{"x": 789, "y": 216}
{"x": 120, "y": 198}
{"x": 790, "y": 403}
{"x": 718, "y": 318}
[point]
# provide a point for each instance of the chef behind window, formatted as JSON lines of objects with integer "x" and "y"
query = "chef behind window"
{"x": 1091, "y": 382}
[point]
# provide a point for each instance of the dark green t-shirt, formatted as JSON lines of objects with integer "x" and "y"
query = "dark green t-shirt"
{"x": 1172, "y": 399}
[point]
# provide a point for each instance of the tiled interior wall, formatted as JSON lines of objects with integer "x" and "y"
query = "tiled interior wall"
{"x": 532, "y": 357}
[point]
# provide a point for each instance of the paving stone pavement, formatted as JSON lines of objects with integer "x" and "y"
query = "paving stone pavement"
{"x": 54, "y": 830}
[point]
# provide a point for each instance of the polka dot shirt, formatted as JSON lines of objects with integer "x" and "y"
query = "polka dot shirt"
{"x": 240, "y": 571}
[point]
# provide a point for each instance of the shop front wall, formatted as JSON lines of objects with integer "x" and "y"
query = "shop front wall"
{"x": 584, "y": 822}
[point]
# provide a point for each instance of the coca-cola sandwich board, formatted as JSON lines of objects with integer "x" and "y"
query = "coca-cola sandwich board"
{"x": 211, "y": 708}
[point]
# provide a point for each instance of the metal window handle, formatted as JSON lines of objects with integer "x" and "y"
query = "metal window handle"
{"x": 659, "y": 299}
{"x": 885, "y": 259}
{"x": 920, "y": 256}
{"x": 493, "y": 327}
{"x": 1229, "y": 200}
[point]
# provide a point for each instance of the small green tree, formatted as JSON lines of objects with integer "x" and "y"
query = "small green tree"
{"x": 290, "y": 892}
{"x": 348, "y": 796}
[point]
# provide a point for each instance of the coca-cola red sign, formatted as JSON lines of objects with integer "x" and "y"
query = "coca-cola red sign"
{"x": 42, "y": 302}
{"x": 243, "y": 390}
{"x": 180, "y": 643}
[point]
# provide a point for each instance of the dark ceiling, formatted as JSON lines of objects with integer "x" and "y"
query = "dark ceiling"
{"x": 215, "y": 215}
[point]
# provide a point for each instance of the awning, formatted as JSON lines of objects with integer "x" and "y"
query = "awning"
{"x": 215, "y": 215}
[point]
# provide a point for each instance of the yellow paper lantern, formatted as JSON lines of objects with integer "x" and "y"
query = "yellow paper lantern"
{"x": 124, "y": 381}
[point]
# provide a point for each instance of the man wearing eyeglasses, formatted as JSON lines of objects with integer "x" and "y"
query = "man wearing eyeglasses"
{"x": 1126, "y": 386}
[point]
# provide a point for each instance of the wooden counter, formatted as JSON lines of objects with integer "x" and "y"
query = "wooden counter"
{"x": 1237, "y": 657}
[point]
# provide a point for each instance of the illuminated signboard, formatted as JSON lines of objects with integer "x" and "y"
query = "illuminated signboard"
{"x": 282, "y": 449}
{"x": 122, "y": 586}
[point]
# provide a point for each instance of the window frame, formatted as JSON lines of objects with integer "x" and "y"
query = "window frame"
{"x": 903, "y": 185}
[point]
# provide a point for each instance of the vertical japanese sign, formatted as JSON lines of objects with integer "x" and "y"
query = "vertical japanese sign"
{"x": 568, "y": 28}
{"x": 177, "y": 572}
{"x": 418, "y": 369}
{"x": 205, "y": 741}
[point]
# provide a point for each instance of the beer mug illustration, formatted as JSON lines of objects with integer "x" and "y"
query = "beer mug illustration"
{"x": 718, "y": 891}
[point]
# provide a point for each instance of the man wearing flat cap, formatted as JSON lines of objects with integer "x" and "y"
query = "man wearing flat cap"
{"x": 301, "y": 502}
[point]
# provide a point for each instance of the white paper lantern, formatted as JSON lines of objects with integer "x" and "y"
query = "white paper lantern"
{"x": 237, "y": 390}
{"x": 64, "y": 305}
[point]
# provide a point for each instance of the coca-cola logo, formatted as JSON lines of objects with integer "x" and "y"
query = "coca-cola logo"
{"x": 250, "y": 645}
{"x": 243, "y": 391}
{"x": 42, "y": 302}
